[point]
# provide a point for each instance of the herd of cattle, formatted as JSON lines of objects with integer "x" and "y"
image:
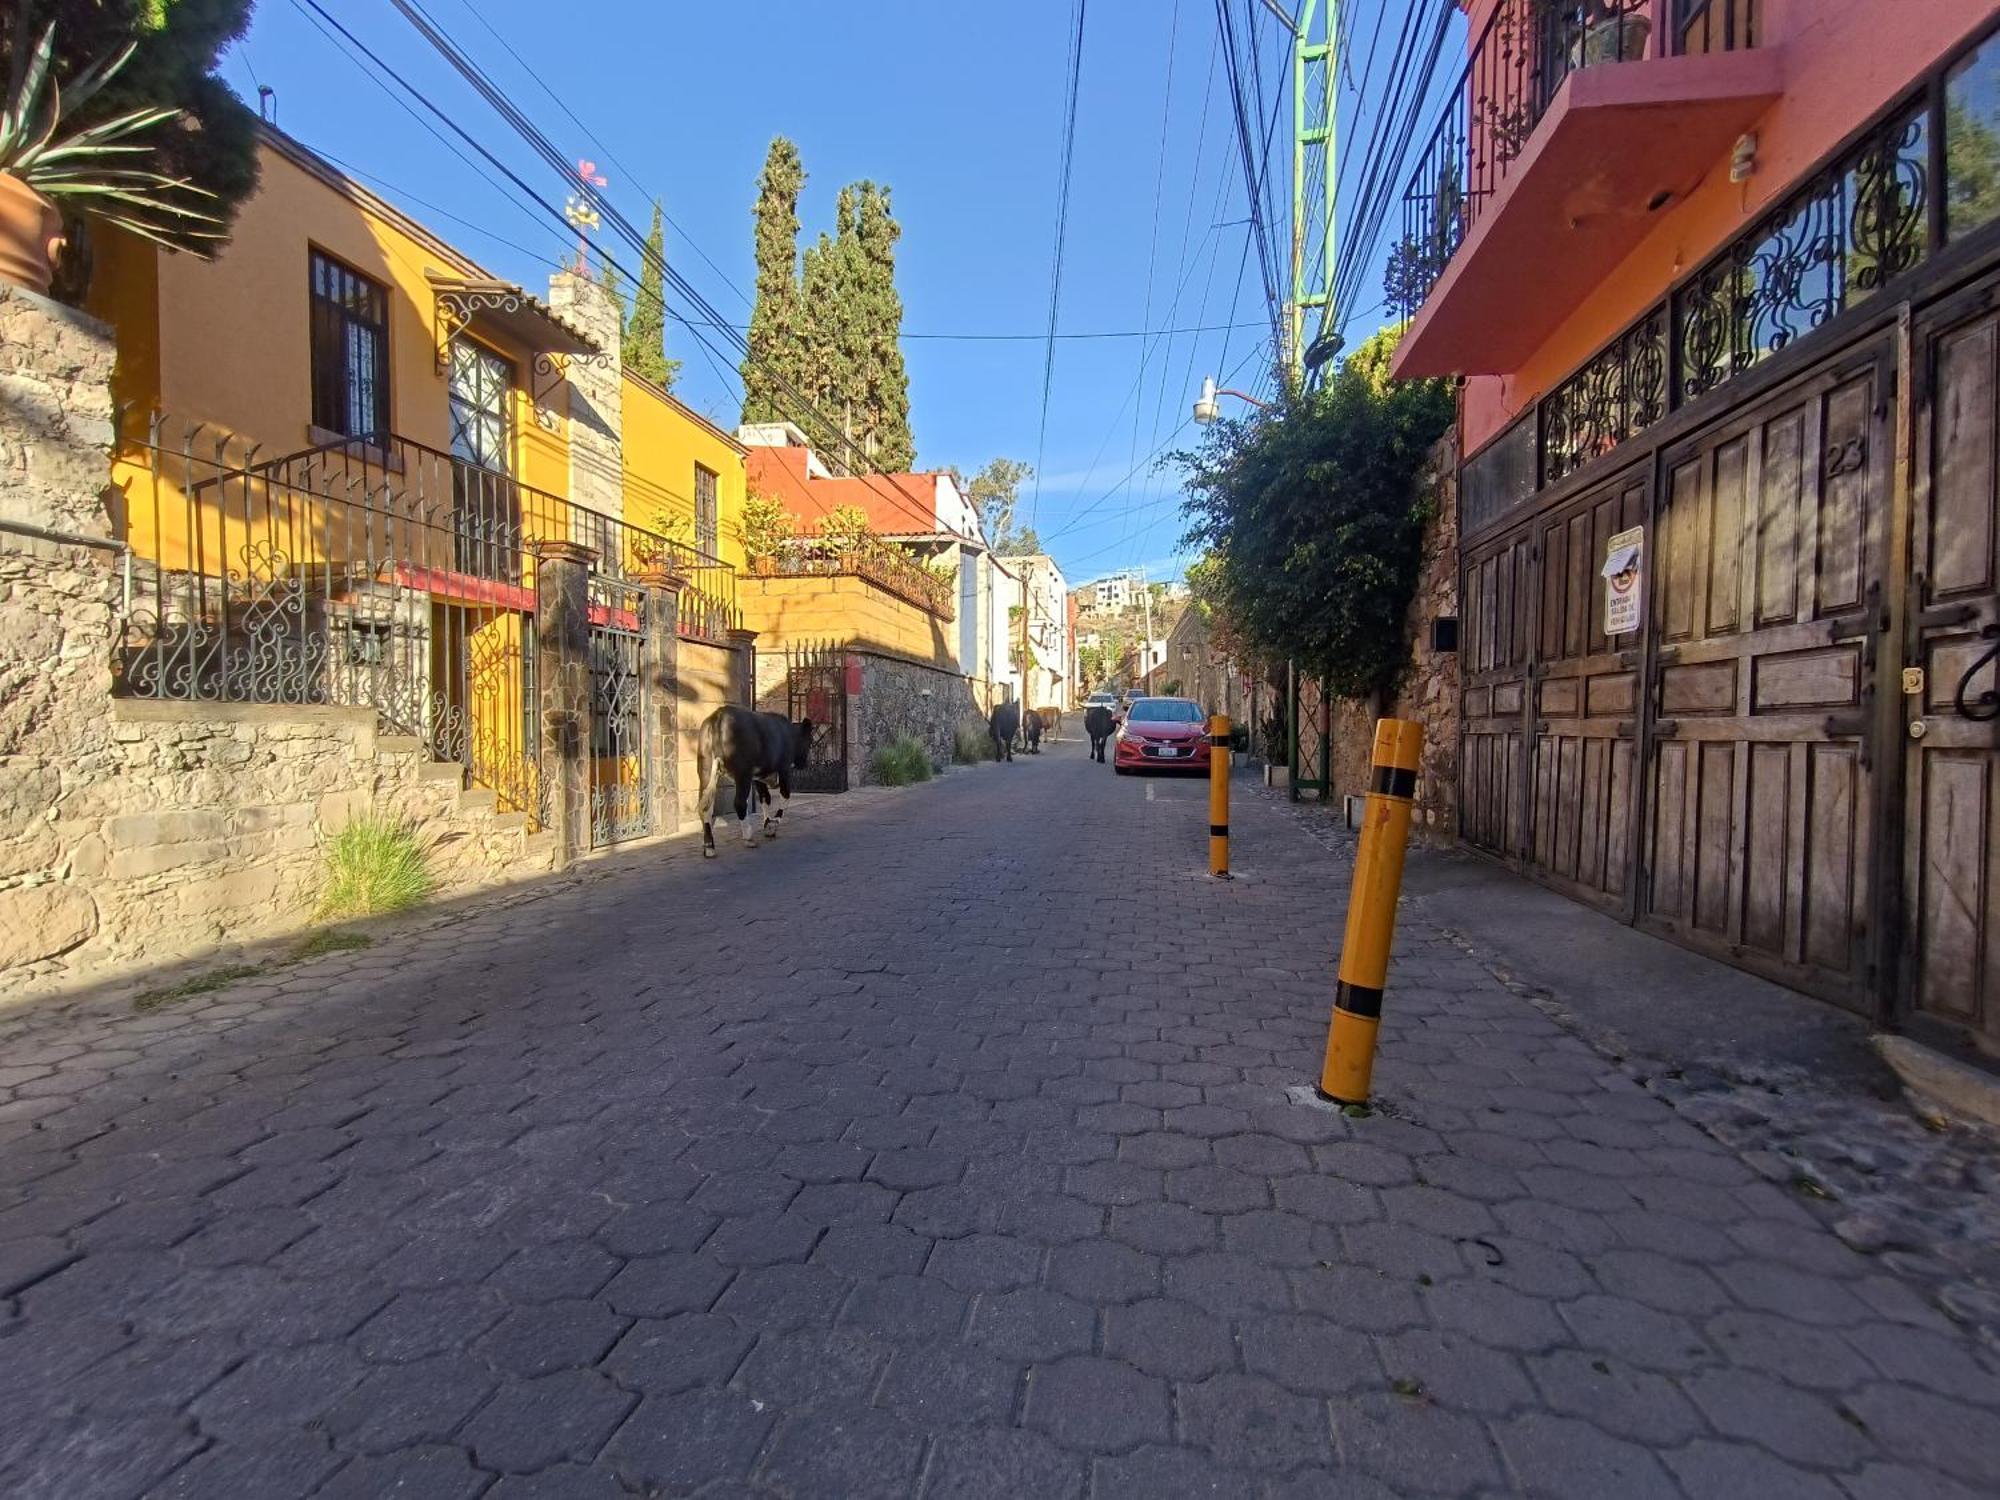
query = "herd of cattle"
{"x": 757, "y": 750}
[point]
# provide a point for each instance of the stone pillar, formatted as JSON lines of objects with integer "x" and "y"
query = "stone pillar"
{"x": 593, "y": 390}
{"x": 562, "y": 672}
{"x": 743, "y": 643}
{"x": 663, "y": 695}
{"x": 852, "y": 687}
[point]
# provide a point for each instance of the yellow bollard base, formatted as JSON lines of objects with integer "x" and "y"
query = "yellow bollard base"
{"x": 1350, "y": 1058}
{"x": 1336, "y": 1099}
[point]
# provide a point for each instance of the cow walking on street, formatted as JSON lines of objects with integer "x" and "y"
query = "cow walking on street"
{"x": 1098, "y": 723}
{"x": 1004, "y": 726}
{"x": 1031, "y": 731}
{"x": 756, "y": 750}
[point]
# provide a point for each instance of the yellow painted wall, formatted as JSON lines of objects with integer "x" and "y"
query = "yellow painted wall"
{"x": 663, "y": 443}
{"x": 706, "y": 674}
{"x": 848, "y": 611}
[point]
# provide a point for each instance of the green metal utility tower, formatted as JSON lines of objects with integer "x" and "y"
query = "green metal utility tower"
{"x": 1315, "y": 66}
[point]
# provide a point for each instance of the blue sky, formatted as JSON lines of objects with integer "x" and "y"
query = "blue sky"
{"x": 958, "y": 109}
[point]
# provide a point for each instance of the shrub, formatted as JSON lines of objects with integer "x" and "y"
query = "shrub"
{"x": 767, "y": 526}
{"x": 373, "y": 866}
{"x": 845, "y": 528}
{"x": 970, "y": 744}
{"x": 901, "y": 762}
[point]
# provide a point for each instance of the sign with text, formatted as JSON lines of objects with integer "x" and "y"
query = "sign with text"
{"x": 1624, "y": 572}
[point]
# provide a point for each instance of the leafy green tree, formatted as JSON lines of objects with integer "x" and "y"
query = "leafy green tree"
{"x": 1312, "y": 519}
{"x": 995, "y": 491}
{"x": 777, "y": 335}
{"x": 1972, "y": 167}
{"x": 614, "y": 288}
{"x": 645, "y": 350}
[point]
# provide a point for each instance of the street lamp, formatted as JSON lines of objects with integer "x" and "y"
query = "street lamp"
{"x": 1207, "y": 408}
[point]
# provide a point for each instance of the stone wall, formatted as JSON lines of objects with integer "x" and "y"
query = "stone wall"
{"x": 904, "y": 697}
{"x": 134, "y": 834}
{"x": 1429, "y": 689}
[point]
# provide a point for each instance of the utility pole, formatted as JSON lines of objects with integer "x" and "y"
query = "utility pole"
{"x": 1146, "y": 650}
{"x": 1315, "y": 74}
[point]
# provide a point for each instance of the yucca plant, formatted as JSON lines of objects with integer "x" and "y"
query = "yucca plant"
{"x": 98, "y": 168}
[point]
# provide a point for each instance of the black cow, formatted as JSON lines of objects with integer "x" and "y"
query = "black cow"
{"x": 1099, "y": 724}
{"x": 1003, "y": 726}
{"x": 755, "y": 749}
{"x": 1031, "y": 731}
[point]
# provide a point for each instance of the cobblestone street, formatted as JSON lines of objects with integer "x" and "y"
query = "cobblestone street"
{"x": 950, "y": 1146}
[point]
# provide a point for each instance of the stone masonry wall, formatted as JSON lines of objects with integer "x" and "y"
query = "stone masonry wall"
{"x": 904, "y": 697}
{"x": 1429, "y": 690}
{"x": 133, "y": 834}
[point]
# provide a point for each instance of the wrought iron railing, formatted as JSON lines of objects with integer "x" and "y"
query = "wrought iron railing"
{"x": 387, "y": 576}
{"x": 879, "y": 564}
{"x": 1702, "y": 26}
{"x": 1515, "y": 67}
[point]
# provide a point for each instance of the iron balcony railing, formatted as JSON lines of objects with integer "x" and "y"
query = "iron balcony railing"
{"x": 1515, "y": 67}
{"x": 390, "y": 577}
{"x": 879, "y": 564}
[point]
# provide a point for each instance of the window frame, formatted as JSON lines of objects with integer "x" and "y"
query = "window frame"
{"x": 331, "y": 367}
{"x": 707, "y": 510}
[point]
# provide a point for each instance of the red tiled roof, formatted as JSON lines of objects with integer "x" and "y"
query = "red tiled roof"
{"x": 894, "y": 503}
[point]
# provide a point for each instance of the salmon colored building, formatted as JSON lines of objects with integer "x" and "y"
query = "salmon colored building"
{"x": 1720, "y": 278}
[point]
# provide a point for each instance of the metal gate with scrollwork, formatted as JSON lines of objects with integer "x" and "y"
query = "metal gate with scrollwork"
{"x": 816, "y": 690}
{"x": 621, "y": 802}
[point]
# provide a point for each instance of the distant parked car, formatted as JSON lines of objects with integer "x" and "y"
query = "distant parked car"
{"x": 1162, "y": 734}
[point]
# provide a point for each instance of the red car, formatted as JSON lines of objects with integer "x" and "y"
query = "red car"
{"x": 1162, "y": 734}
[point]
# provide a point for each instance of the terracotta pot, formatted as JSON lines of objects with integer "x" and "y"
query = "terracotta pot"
{"x": 30, "y": 235}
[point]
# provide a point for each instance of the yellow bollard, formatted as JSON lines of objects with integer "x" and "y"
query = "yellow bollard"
{"x": 1371, "y": 913}
{"x": 1218, "y": 796}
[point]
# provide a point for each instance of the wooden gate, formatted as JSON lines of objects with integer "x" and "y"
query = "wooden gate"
{"x": 1497, "y": 610}
{"x": 1585, "y": 719}
{"x": 1766, "y": 604}
{"x": 1951, "y": 842}
{"x": 816, "y": 689}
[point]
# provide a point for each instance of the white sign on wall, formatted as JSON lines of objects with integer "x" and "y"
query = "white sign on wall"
{"x": 1624, "y": 576}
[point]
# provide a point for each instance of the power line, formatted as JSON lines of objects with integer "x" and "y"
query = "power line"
{"x": 801, "y": 408}
{"x": 1062, "y": 232}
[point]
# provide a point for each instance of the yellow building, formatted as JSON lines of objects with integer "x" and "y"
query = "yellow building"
{"x": 345, "y": 445}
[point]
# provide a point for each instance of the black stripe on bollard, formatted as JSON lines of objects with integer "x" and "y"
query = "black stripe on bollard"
{"x": 1358, "y": 999}
{"x": 1394, "y": 781}
{"x": 1218, "y": 830}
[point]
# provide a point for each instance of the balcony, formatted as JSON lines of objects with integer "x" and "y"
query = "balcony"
{"x": 1574, "y": 123}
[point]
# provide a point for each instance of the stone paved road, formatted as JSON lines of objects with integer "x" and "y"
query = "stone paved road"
{"x": 943, "y": 1148}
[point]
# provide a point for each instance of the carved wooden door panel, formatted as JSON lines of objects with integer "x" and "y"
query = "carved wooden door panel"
{"x": 1766, "y": 601}
{"x": 1586, "y": 702}
{"x": 1496, "y": 595}
{"x": 1951, "y": 844}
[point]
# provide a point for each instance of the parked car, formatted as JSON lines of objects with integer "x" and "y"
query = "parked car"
{"x": 1162, "y": 734}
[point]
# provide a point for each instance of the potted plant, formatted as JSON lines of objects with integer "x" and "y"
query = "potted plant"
{"x": 846, "y": 533}
{"x": 1608, "y": 31}
{"x": 47, "y": 158}
{"x": 767, "y": 531}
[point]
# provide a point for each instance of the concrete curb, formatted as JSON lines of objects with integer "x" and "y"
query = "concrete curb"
{"x": 1940, "y": 1080}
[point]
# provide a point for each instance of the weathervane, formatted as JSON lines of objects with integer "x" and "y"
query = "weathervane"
{"x": 580, "y": 208}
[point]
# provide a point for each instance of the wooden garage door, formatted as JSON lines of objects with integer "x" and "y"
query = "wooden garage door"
{"x": 1585, "y": 724}
{"x": 1951, "y": 873}
{"x": 1766, "y": 596}
{"x": 1496, "y": 610}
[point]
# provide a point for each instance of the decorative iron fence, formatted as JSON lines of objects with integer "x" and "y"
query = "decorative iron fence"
{"x": 305, "y": 582}
{"x": 1520, "y": 59}
{"x": 390, "y": 577}
{"x": 621, "y": 800}
{"x": 889, "y": 570}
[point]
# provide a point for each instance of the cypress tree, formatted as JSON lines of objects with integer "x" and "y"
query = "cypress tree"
{"x": 646, "y": 331}
{"x": 882, "y": 381}
{"x": 776, "y": 346}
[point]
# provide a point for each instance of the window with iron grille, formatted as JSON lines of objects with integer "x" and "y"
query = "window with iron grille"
{"x": 705, "y": 522}
{"x": 350, "y": 351}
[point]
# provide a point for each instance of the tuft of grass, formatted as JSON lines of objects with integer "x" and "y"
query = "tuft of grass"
{"x": 373, "y": 866}
{"x": 198, "y": 984}
{"x": 330, "y": 940}
{"x": 971, "y": 744}
{"x": 900, "y": 762}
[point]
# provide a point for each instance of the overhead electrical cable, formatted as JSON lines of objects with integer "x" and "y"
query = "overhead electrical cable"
{"x": 1067, "y": 163}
